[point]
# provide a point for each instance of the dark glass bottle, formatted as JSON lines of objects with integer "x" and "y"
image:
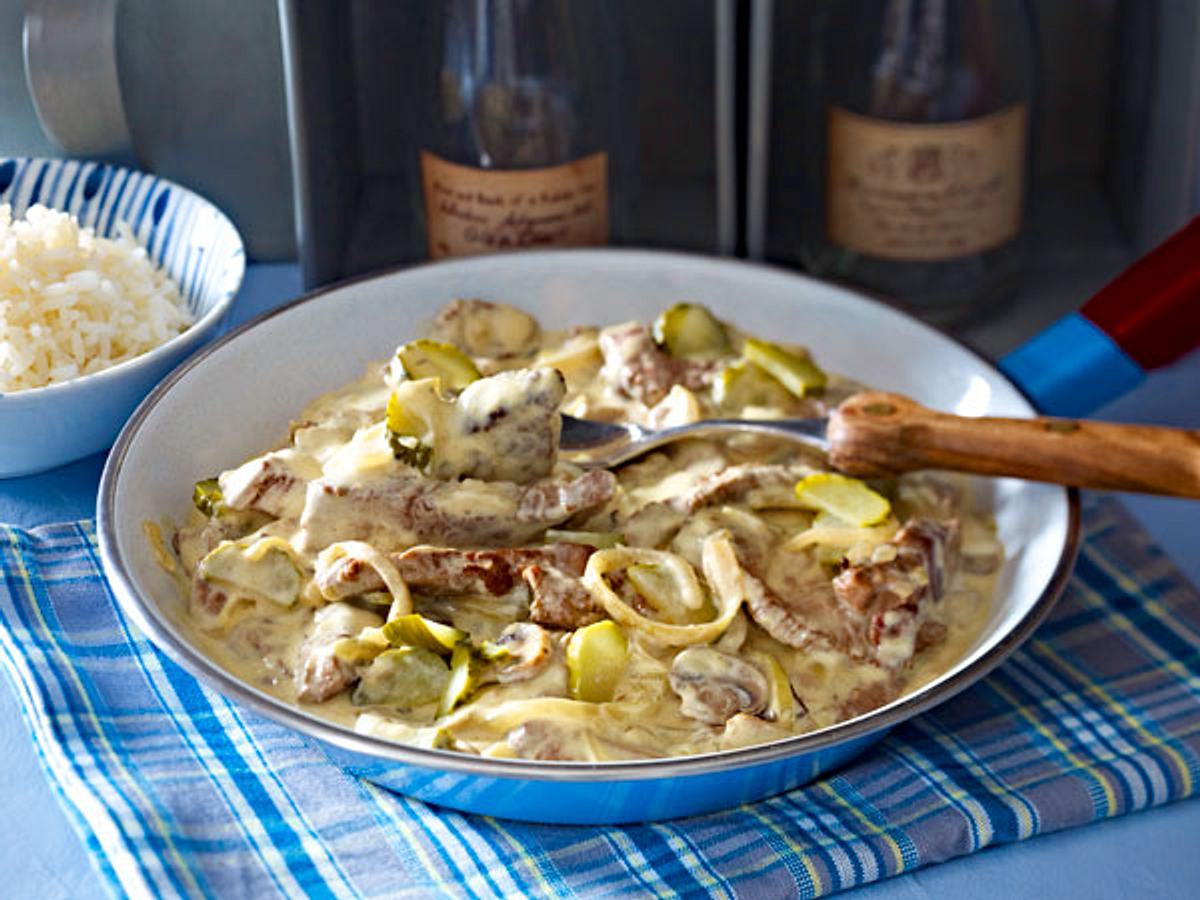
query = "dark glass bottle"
{"x": 920, "y": 115}
{"x": 521, "y": 142}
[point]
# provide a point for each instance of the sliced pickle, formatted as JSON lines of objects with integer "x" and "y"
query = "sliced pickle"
{"x": 405, "y": 678}
{"x": 263, "y": 569}
{"x": 688, "y": 330}
{"x": 848, "y": 499}
{"x": 463, "y": 679}
{"x": 406, "y": 435}
{"x": 797, "y": 373}
{"x": 414, "y": 630}
{"x": 744, "y": 384}
{"x": 425, "y": 358}
{"x": 596, "y": 658}
{"x": 598, "y": 539}
{"x": 207, "y": 497}
{"x": 360, "y": 650}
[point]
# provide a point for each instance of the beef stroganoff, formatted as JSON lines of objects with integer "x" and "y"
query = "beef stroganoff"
{"x": 417, "y": 562}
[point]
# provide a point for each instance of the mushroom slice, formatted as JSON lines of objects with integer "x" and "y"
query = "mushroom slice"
{"x": 714, "y": 685}
{"x": 523, "y": 648}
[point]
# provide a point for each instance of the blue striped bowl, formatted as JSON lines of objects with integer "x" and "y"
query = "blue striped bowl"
{"x": 196, "y": 243}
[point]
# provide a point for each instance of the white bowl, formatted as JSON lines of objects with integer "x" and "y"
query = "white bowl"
{"x": 45, "y": 427}
{"x": 256, "y": 379}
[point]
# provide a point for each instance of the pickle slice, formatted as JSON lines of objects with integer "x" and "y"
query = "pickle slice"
{"x": 744, "y": 384}
{"x": 405, "y": 678}
{"x": 797, "y": 373}
{"x": 688, "y": 329}
{"x": 261, "y": 569}
{"x": 596, "y": 657}
{"x": 360, "y": 650}
{"x": 207, "y": 497}
{"x": 406, "y": 433}
{"x": 849, "y": 499}
{"x": 414, "y": 630}
{"x": 425, "y": 358}
{"x": 463, "y": 679}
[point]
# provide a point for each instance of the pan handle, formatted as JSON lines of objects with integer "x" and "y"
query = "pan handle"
{"x": 1147, "y": 317}
{"x": 874, "y": 433}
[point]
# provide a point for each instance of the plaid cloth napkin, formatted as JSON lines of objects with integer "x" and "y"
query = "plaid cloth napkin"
{"x": 177, "y": 792}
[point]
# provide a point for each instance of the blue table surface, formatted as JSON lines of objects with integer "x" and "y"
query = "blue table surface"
{"x": 1152, "y": 854}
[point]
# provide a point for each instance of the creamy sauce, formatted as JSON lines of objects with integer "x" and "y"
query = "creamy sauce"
{"x": 806, "y": 619}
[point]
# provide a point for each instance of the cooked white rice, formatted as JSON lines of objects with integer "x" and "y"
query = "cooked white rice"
{"x": 72, "y": 303}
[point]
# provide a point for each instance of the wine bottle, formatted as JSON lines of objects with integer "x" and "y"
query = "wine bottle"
{"x": 521, "y": 131}
{"x": 922, "y": 114}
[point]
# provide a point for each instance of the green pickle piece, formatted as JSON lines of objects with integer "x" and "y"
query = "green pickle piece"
{"x": 463, "y": 679}
{"x": 688, "y": 330}
{"x": 405, "y": 678}
{"x": 207, "y": 497}
{"x": 362, "y": 649}
{"x": 596, "y": 658}
{"x": 847, "y": 499}
{"x": 273, "y": 576}
{"x": 743, "y": 384}
{"x": 601, "y": 540}
{"x": 406, "y": 434}
{"x": 797, "y": 373}
{"x": 425, "y": 358}
{"x": 415, "y": 630}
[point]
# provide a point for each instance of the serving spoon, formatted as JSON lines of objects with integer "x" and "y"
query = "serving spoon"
{"x": 873, "y": 434}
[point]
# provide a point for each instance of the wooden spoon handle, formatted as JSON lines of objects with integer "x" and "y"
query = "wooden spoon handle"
{"x": 874, "y": 434}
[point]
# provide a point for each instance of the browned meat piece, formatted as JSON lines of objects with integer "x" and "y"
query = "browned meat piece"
{"x": 806, "y": 615}
{"x": 638, "y": 368}
{"x": 319, "y": 673}
{"x": 453, "y": 571}
{"x": 559, "y": 599}
{"x": 925, "y": 550}
{"x": 892, "y": 594}
{"x": 402, "y": 511}
{"x": 867, "y": 697}
{"x": 551, "y": 502}
{"x": 272, "y": 484}
{"x": 206, "y": 598}
{"x": 776, "y": 485}
{"x": 545, "y": 739}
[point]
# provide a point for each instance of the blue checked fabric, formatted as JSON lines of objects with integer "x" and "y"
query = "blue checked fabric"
{"x": 176, "y": 792}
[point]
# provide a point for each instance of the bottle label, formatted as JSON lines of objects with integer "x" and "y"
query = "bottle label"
{"x": 925, "y": 192}
{"x": 470, "y": 211}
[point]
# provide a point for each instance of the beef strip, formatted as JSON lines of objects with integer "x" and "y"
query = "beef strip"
{"x": 453, "y": 571}
{"x": 775, "y": 485}
{"x": 894, "y": 594}
{"x": 806, "y": 615}
{"x": 274, "y": 484}
{"x": 925, "y": 551}
{"x": 319, "y": 674}
{"x": 559, "y": 599}
{"x": 637, "y": 367}
{"x": 399, "y": 511}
